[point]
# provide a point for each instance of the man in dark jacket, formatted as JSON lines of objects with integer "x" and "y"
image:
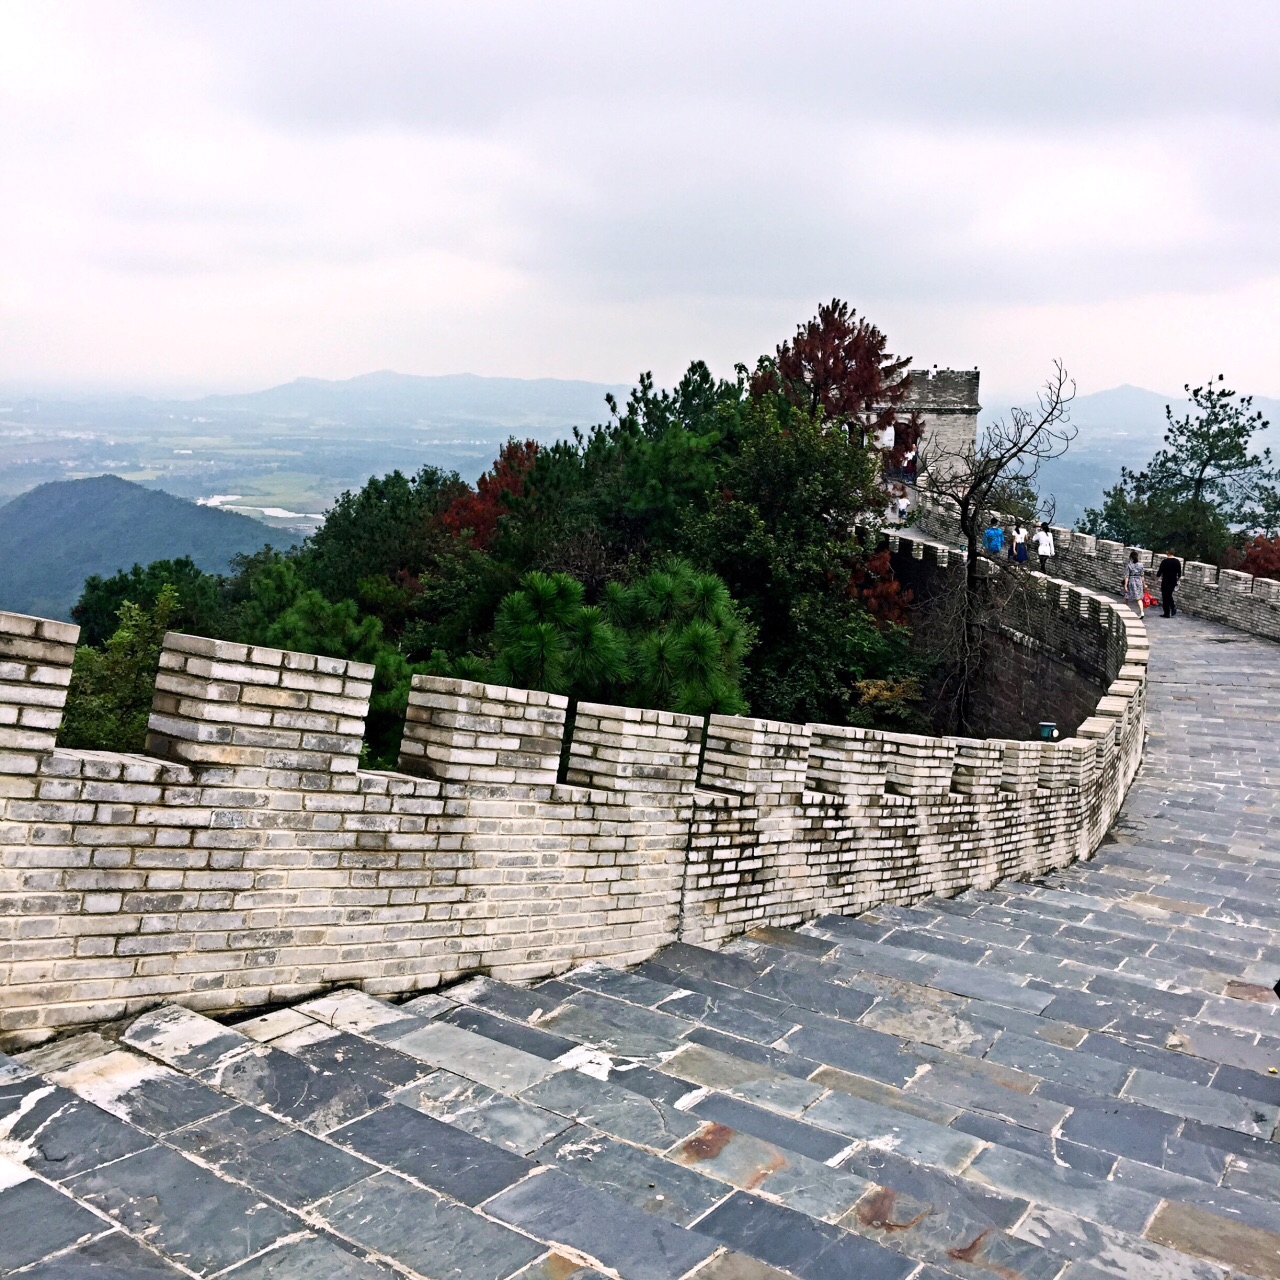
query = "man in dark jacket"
{"x": 1169, "y": 572}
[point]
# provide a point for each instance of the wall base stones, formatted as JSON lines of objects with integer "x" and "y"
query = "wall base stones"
{"x": 249, "y": 860}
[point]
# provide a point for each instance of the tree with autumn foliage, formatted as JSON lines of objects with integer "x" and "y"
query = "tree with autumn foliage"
{"x": 839, "y": 365}
{"x": 1260, "y": 557}
{"x": 476, "y": 512}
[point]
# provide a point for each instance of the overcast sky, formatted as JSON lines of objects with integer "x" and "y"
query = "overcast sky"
{"x": 222, "y": 196}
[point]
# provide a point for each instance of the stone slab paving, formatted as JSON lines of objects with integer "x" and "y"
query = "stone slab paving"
{"x": 1063, "y": 1080}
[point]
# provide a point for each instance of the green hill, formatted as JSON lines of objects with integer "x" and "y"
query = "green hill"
{"x": 54, "y": 536}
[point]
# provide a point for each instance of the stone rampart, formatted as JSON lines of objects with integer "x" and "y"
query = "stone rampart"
{"x": 1220, "y": 595}
{"x": 247, "y": 859}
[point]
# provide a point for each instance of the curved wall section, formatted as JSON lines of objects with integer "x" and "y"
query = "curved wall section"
{"x": 247, "y": 859}
{"x": 1222, "y": 595}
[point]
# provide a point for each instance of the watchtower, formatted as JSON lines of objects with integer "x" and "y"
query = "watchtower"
{"x": 946, "y": 401}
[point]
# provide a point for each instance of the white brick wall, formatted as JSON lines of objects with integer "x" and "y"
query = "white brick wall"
{"x": 248, "y": 859}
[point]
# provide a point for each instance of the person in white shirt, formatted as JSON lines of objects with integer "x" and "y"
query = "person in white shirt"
{"x": 1018, "y": 551}
{"x": 903, "y": 507}
{"x": 1044, "y": 546}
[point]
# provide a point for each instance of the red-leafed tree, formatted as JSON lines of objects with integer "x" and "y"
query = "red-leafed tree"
{"x": 1261, "y": 557}
{"x": 839, "y": 363}
{"x": 477, "y": 511}
{"x": 885, "y": 597}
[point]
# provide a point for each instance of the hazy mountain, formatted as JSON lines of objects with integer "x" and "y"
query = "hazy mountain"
{"x": 284, "y": 454}
{"x": 399, "y": 397}
{"x": 56, "y": 535}
{"x": 1121, "y": 427}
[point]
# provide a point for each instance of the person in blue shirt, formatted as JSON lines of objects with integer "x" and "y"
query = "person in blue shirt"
{"x": 993, "y": 538}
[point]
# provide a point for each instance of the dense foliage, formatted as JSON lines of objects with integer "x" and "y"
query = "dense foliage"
{"x": 1202, "y": 494}
{"x": 111, "y": 688}
{"x": 696, "y": 552}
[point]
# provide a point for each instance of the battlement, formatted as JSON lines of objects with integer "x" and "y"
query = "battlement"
{"x": 1238, "y": 599}
{"x": 247, "y": 859}
{"x": 943, "y": 391}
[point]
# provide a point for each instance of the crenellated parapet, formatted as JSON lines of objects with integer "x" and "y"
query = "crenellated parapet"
{"x": 1238, "y": 599}
{"x": 250, "y": 707}
{"x": 459, "y": 731}
{"x": 246, "y": 858}
{"x": 35, "y": 669}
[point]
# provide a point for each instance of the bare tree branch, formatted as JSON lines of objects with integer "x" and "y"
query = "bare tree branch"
{"x": 1008, "y": 453}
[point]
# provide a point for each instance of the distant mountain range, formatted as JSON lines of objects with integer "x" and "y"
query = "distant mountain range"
{"x": 54, "y": 536}
{"x": 387, "y": 397}
{"x": 1121, "y": 427}
{"x": 285, "y": 453}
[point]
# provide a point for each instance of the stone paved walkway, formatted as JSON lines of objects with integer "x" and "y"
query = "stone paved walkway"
{"x": 1074, "y": 1078}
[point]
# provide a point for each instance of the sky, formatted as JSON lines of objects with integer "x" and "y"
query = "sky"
{"x": 203, "y": 197}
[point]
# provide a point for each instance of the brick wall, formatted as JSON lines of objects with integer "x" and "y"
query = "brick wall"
{"x": 1045, "y": 664}
{"x": 248, "y": 859}
{"x": 1221, "y": 595}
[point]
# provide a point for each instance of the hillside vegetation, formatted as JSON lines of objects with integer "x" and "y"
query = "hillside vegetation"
{"x": 55, "y": 536}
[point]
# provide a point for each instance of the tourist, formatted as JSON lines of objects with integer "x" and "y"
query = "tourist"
{"x": 993, "y": 539}
{"x": 1044, "y": 546}
{"x": 1020, "y": 542}
{"x": 903, "y": 507}
{"x": 1135, "y": 583}
{"x": 1170, "y": 574}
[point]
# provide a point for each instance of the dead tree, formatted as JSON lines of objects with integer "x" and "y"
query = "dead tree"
{"x": 1006, "y": 458}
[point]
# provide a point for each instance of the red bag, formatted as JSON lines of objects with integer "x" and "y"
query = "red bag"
{"x": 1149, "y": 601}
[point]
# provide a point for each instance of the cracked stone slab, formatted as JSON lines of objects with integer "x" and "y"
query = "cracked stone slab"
{"x": 558, "y": 1209}
{"x": 192, "y": 1215}
{"x": 474, "y": 1056}
{"x": 869, "y": 1125}
{"x": 433, "y": 1153}
{"x": 1062, "y": 1188}
{"x": 53, "y": 1133}
{"x": 615, "y": 1026}
{"x": 793, "y": 1135}
{"x": 418, "y": 1229}
{"x": 338, "y": 1052}
{"x": 1108, "y": 1251}
{"x": 1211, "y": 1106}
{"x": 141, "y": 1091}
{"x": 507, "y": 1122}
{"x": 184, "y": 1040}
{"x": 644, "y": 1180}
{"x": 360, "y": 1014}
{"x": 789, "y": 1239}
{"x": 943, "y": 1232}
{"x": 750, "y": 1080}
{"x": 36, "y": 1220}
{"x": 314, "y": 1258}
{"x": 111, "y": 1257}
{"x": 885, "y": 1095}
{"x": 273, "y": 1158}
{"x": 611, "y": 1107}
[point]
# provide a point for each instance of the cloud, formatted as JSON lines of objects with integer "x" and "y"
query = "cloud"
{"x": 218, "y": 194}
